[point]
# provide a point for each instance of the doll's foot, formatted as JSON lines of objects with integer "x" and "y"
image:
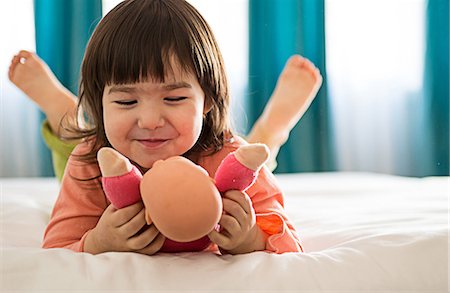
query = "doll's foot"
{"x": 296, "y": 88}
{"x": 31, "y": 75}
{"x": 252, "y": 156}
{"x": 112, "y": 163}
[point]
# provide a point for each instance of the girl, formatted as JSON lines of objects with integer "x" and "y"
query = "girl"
{"x": 296, "y": 88}
{"x": 153, "y": 86}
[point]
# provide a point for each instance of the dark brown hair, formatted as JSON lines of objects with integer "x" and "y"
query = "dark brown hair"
{"x": 137, "y": 41}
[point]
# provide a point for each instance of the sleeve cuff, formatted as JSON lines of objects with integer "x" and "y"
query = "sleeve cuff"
{"x": 281, "y": 239}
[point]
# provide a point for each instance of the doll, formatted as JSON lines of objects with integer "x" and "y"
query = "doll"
{"x": 180, "y": 198}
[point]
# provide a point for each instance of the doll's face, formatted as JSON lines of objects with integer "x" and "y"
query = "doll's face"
{"x": 150, "y": 121}
{"x": 181, "y": 199}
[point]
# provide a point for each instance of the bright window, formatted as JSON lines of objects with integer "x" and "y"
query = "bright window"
{"x": 375, "y": 54}
{"x": 19, "y": 116}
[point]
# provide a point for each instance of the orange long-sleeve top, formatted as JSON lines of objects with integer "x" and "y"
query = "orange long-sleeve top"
{"x": 80, "y": 204}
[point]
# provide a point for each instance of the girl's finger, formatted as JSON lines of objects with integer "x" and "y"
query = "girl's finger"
{"x": 235, "y": 210}
{"x": 241, "y": 198}
{"x": 154, "y": 246}
{"x": 219, "y": 239}
{"x": 230, "y": 225}
{"x": 134, "y": 225}
{"x": 123, "y": 215}
{"x": 142, "y": 240}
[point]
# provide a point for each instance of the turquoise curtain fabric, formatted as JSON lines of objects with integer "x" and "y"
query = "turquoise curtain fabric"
{"x": 63, "y": 28}
{"x": 279, "y": 29}
{"x": 436, "y": 87}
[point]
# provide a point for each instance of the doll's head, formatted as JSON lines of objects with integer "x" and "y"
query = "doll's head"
{"x": 147, "y": 40}
{"x": 181, "y": 199}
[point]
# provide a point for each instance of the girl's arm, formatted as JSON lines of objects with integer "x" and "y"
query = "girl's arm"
{"x": 268, "y": 203}
{"x": 78, "y": 207}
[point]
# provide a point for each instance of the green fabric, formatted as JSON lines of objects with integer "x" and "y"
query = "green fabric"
{"x": 63, "y": 28}
{"x": 60, "y": 150}
{"x": 436, "y": 83}
{"x": 279, "y": 29}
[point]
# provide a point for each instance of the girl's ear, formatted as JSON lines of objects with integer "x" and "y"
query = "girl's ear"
{"x": 207, "y": 107}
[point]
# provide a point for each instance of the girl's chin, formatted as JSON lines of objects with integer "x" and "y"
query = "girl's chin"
{"x": 143, "y": 166}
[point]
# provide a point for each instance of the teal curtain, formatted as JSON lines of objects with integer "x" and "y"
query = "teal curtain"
{"x": 436, "y": 86}
{"x": 63, "y": 28}
{"x": 279, "y": 29}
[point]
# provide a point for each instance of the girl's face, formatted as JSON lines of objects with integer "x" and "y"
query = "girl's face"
{"x": 149, "y": 121}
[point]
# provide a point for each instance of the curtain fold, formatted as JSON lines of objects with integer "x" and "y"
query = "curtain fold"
{"x": 63, "y": 28}
{"x": 277, "y": 30}
{"x": 436, "y": 86}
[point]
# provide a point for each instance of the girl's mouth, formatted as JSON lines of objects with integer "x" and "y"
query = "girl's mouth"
{"x": 153, "y": 143}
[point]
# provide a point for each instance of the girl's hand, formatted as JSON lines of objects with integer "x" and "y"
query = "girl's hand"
{"x": 124, "y": 230}
{"x": 239, "y": 233}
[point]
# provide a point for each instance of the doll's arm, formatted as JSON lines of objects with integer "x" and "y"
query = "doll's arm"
{"x": 239, "y": 169}
{"x": 120, "y": 178}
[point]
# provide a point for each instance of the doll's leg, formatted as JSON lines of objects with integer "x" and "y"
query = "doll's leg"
{"x": 252, "y": 156}
{"x": 120, "y": 178}
{"x": 296, "y": 88}
{"x": 31, "y": 75}
{"x": 238, "y": 170}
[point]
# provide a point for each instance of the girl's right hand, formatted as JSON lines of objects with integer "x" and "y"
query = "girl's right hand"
{"x": 124, "y": 230}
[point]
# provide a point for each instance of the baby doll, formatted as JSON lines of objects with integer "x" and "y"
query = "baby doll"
{"x": 180, "y": 198}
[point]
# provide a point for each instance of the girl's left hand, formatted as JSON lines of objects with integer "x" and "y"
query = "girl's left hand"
{"x": 238, "y": 224}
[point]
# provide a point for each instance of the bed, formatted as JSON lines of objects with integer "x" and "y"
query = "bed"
{"x": 362, "y": 232}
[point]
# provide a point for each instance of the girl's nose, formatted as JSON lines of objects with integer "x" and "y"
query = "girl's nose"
{"x": 150, "y": 119}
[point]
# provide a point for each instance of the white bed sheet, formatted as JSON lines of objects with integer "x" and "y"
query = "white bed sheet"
{"x": 361, "y": 232}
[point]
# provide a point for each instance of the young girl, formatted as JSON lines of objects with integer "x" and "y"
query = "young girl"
{"x": 153, "y": 86}
{"x": 296, "y": 88}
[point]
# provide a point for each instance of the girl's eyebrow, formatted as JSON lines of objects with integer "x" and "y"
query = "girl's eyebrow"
{"x": 122, "y": 89}
{"x": 176, "y": 85}
{"x": 133, "y": 89}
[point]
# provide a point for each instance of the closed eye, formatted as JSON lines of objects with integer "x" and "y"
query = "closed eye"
{"x": 175, "y": 99}
{"x": 126, "y": 103}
